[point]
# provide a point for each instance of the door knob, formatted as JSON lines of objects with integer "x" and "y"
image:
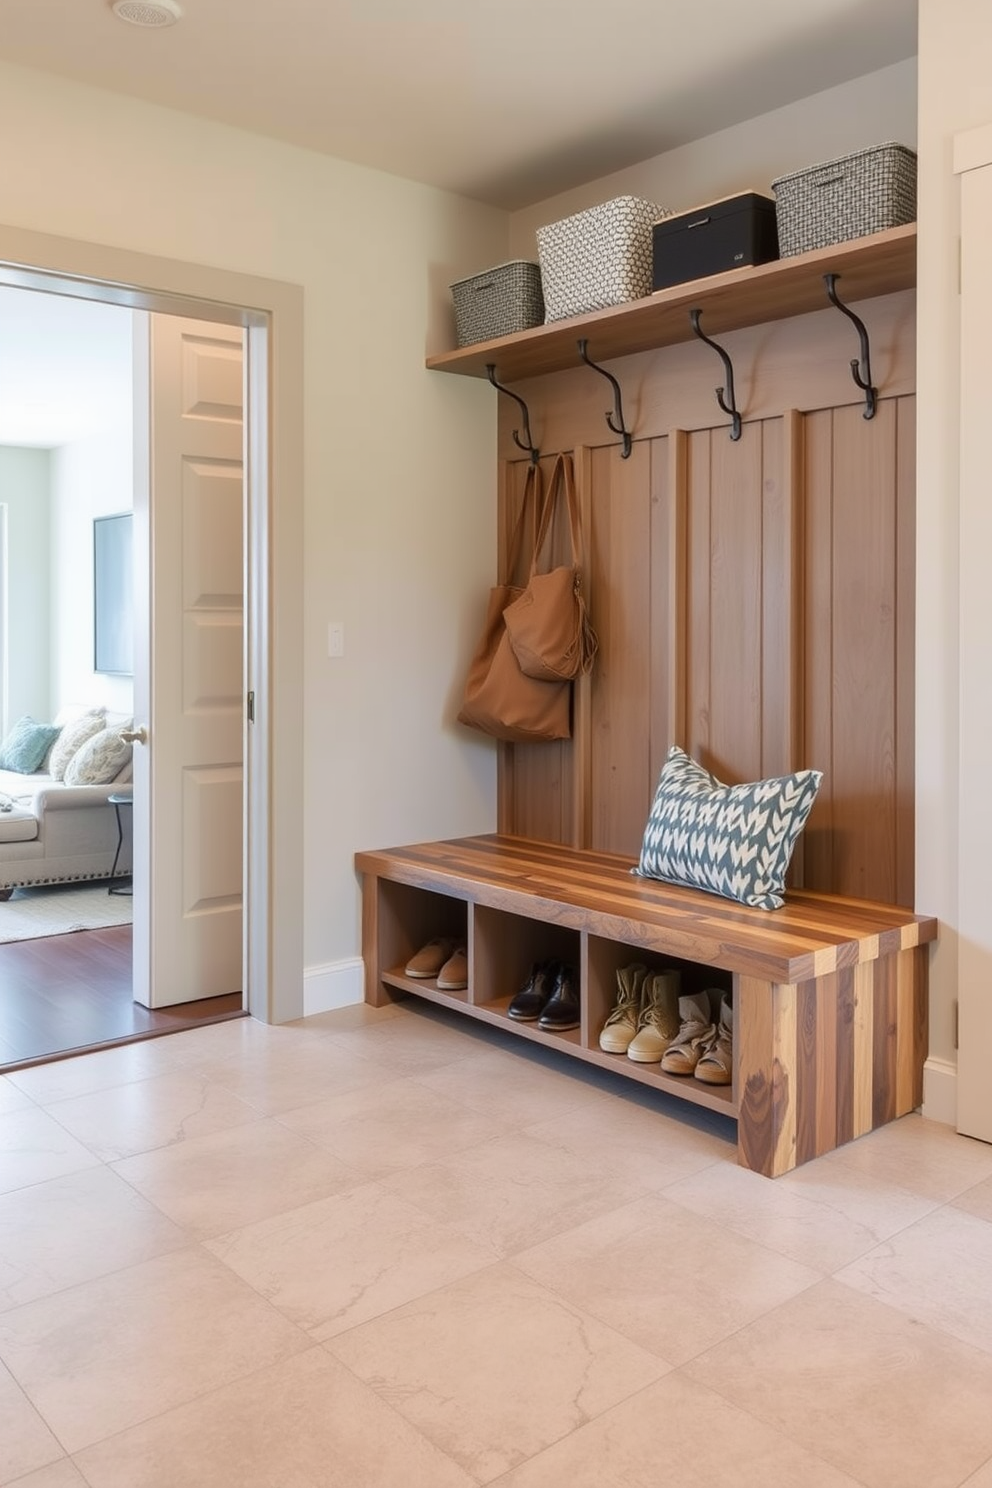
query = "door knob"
{"x": 133, "y": 736}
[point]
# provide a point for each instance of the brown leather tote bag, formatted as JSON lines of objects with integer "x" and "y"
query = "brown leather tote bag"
{"x": 549, "y": 629}
{"x": 499, "y": 698}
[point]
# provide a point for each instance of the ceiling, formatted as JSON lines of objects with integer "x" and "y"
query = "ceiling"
{"x": 505, "y": 101}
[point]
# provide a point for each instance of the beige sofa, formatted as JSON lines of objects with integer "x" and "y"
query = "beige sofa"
{"x": 58, "y": 833}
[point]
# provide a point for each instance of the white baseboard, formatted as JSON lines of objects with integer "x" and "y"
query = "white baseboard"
{"x": 336, "y": 985}
{"x": 940, "y": 1091}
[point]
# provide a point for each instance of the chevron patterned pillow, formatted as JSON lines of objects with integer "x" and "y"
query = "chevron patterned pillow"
{"x": 733, "y": 840}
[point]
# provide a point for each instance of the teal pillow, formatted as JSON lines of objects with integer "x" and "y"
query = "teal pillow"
{"x": 733, "y": 840}
{"x": 26, "y": 745}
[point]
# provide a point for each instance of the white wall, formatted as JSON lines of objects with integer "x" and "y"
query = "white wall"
{"x": 24, "y": 490}
{"x": 866, "y": 111}
{"x": 399, "y": 500}
{"x": 955, "y": 94}
{"x": 90, "y": 478}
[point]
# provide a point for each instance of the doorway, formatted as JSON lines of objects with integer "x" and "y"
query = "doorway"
{"x": 271, "y": 315}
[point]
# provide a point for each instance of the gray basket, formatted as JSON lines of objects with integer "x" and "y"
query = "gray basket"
{"x": 600, "y": 257}
{"x": 499, "y": 302}
{"x": 866, "y": 192}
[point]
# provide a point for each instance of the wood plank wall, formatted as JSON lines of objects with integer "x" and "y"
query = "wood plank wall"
{"x": 754, "y": 600}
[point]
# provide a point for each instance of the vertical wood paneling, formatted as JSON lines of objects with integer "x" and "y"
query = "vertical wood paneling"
{"x": 812, "y": 1003}
{"x": 667, "y": 599}
{"x": 779, "y": 598}
{"x": 864, "y": 1027}
{"x": 698, "y": 617}
{"x": 905, "y": 723}
{"x": 579, "y": 781}
{"x": 825, "y": 1084}
{"x": 844, "y": 1086}
{"x": 818, "y": 855}
{"x": 884, "y": 1041}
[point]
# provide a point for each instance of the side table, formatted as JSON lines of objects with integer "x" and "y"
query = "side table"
{"x": 126, "y": 885}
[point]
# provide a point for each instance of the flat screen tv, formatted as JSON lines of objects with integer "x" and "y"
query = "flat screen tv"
{"x": 113, "y": 604}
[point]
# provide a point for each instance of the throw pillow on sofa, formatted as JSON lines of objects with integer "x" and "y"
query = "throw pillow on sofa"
{"x": 25, "y": 747}
{"x": 100, "y": 760}
{"x": 71, "y": 739}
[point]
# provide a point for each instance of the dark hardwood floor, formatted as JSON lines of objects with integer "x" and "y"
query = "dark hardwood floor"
{"x": 67, "y": 993}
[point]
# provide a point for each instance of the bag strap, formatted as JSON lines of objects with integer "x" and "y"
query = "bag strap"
{"x": 562, "y": 480}
{"x": 529, "y": 507}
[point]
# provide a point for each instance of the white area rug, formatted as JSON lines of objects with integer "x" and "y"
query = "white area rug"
{"x": 57, "y": 909}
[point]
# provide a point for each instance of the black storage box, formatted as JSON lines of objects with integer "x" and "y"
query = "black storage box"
{"x": 727, "y": 234}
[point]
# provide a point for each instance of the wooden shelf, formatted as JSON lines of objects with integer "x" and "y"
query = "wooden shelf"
{"x": 876, "y": 265}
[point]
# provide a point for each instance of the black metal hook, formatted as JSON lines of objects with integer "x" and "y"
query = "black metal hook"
{"x": 615, "y": 420}
{"x": 860, "y": 371}
{"x": 724, "y": 395}
{"x": 527, "y": 443}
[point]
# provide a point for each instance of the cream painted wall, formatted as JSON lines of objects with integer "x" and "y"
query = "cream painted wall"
{"x": 24, "y": 490}
{"x": 90, "y": 478}
{"x": 955, "y": 93}
{"x": 399, "y": 501}
{"x": 880, "y": 106}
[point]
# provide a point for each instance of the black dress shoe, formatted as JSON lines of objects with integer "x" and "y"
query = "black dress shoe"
{"x": 535, "y": 994}
{"x": 562, "y": 1011}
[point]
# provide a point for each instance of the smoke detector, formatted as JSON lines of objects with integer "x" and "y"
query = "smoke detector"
{"x": 148, "y": 13}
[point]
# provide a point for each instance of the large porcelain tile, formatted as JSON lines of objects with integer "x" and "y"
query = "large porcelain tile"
{"x": 11, "y": 1097}
{"x": 887, "y": 1399}
{"x": 925, "y": 1157}
{"x": 413, "y": 1042}
{"x": 513, "y": 1192}
{"x": 821, "y": 1215}
{"x": 235, "y": 1037}
{"x": 60, "y": 1475}
{"x": 982, "y": 1478}
{"x": 938, "y": 1271}
{"x": 54, "y": 1235}
{"x": 977, "y": 1200}
{"x": 105, "y": 1355}
{"x": 676, "y": 1434}
{"x": 34, "y": 1148}
{"x": 669, "y": 1280}
{"x": 64, "y": 1078}
{"x": 393, "y": 1127}
{"x": 347, "y": 1019}
{"x": 346, "y": 1259}
{"x": 306, "y": 1423}
{"x": 495, "y": 1368}
{"x": 25, "y": 1441}
{"x": 147, "y": 1114}
{"x": 517, "y": 1090}
{"x": 231, "y": 1178}
{"x": 277, "y": 1077}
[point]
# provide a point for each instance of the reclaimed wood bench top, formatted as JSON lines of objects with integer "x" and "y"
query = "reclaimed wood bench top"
{"x": 811, "y": 936}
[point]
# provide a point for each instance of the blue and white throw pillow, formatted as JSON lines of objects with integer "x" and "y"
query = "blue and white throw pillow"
{"x": 733, "y": 840}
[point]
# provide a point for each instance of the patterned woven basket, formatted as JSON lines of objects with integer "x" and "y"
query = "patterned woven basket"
{"x": 600, "y": 257}
{"x": 866, "y": 192}
{"x": 499, "y": 302}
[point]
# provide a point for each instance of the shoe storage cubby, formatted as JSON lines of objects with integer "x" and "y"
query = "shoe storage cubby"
{"x": 829, "y": 994}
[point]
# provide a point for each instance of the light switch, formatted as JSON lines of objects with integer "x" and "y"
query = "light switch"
{"x": 335, "y": 638}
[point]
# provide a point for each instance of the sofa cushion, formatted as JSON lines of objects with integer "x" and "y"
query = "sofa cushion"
{"x": 99, "y": 760}
{"x": 17, "y": 824}
{"x": 73, "y": 736}
{"x": 26, "y": 745}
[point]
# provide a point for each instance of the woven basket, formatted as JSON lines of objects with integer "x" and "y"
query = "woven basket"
{"x": 599, "y": 257}
{"x": 866, "y": 192}
{"x": 499, "y": 302}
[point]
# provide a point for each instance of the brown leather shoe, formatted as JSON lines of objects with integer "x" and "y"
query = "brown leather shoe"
{"x": 429, "y": 959}
{"x": 453, "y": 976}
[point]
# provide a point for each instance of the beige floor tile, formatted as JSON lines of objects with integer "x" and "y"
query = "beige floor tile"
{"x": 977, "y": 1200}
{"x": 64, "y": 1078}
{"x": 346, "y": 1019}
{"x": 513, "y": 1192}
{"x": 517, "y": 1090}
{"x": 392, "y": 1128}
{"x": 60, "y": 1475}
{"x": 414, "y": 1041}
{"x": 34, "y": 1148}
{"x": 282, "y": 1077}
{"x": 886, "y": 1399}
{"x": 817, "y": 1214}
{"x": 152, "y": 1113}
{"x": 105, "y": 1355}
{"x": 11, "y": 1097}
{"x": 344, "y": 1260}
{"x": 982, "y": 1478}
{"x": 56, "y": 1234}
{"x": 25, "y": 1441}
{"x": 213, "y": 1184}
{"x": 462, "y": 1365}
{"x": 676, "y": 1434}
{"x": 306, "y": 1423}
{"x": 667, "y": 1279}
{"x": 235, "y": 1036}
{"x": 924, "y": 1157}
{"x": 938, "y": 1272}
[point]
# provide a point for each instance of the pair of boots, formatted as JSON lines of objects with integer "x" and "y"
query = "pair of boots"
{"x": 652, "y": 1024}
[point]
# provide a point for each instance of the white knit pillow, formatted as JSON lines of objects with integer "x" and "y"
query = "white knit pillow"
{"x": 99, "y": 760}
{"x": 73, "y": 736}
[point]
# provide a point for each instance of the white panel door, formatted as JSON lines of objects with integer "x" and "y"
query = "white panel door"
{"x": 189, "y": 785}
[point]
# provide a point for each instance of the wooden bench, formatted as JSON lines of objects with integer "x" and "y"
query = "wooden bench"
{"x": 830, "y": 994}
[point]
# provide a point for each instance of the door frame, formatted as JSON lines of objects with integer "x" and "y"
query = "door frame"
{"x": 271, "y": 313}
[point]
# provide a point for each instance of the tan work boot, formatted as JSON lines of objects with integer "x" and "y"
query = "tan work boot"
{"x": 659, "y": 1019}
{"x": 621, "y": 1024}
{"x": 716, "y": 1065}
{"x": 693, "y": 1038}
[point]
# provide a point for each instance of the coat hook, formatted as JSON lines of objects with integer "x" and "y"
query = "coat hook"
{"x": 724, "y": 395}
{"x": 527, "y": 443}
{"x": 615, "y": 420}
{"x": 860, "y": 371}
